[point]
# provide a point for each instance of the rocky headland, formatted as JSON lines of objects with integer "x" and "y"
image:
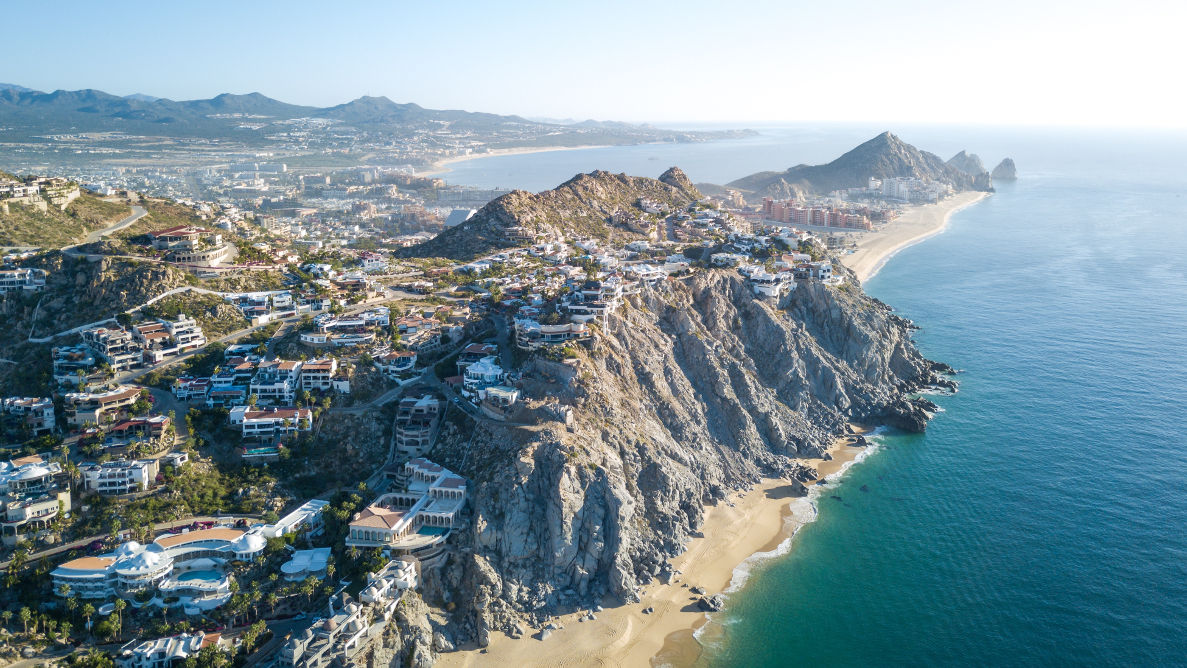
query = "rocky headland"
{"x": 884, "y": 156}
{"x": 692, "y": 391}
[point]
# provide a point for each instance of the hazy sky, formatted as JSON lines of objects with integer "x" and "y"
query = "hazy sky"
{"x": 995, "y": 61}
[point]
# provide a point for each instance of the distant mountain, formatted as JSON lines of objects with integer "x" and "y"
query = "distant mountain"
{"x": 578, "y": 208}
{"x": 34, "y": 112}
{"x": 16, "y": 88}
{"x": 369, "y": 111}
{"x": 883, "y": 156}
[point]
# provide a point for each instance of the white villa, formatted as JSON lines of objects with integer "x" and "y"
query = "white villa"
{"x": 417, "y": 521}
{"x": 483, "y": 374}
{"x": 14, "y": 280}
{"x": 270, "y": 422}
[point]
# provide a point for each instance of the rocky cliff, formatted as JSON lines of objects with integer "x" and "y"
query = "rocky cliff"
{"x": 580, "y": 207}
{"x": 970, "y": 163}
{"x": 1005, "y": 170}
{"x": 882, "y": 157}
{"x": 692, "y": 390}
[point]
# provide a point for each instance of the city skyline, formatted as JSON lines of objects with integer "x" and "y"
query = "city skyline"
{"x": 1058, "y": 63}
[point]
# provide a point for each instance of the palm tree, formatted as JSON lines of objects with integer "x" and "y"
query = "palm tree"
{"x": 25, "y": 615}
{"x": 72, "y": 605}
{"x": 6, "y": 615}
{"x": 66, "y": 627}
{"x": 120, "y": 604}
{"x": 64, "y": 590}
{"x": 88, "y": 611}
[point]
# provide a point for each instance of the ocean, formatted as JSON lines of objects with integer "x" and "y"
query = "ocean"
{"x": 1042, "y": 518}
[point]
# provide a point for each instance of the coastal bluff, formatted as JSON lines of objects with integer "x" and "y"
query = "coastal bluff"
{"x": 692, "y": 391}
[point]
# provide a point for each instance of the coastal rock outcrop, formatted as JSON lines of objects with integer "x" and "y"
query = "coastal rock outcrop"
{"x": 691, "y": 391}
{"x": 1005, "y": 170}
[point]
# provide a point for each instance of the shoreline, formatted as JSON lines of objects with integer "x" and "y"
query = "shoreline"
{"x": 745, "y": 529}
{"x": 441, "y": 166}
{"x": 917, "y": 224}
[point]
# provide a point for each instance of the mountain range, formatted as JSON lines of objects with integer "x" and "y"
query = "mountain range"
{"x": 89, "y": 110}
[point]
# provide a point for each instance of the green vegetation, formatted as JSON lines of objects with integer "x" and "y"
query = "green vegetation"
{"x": 194, "y": 490}
{"x": 213, "y": 313}
{"x": 162, "y": 214}
{"x": 26, "y": 226}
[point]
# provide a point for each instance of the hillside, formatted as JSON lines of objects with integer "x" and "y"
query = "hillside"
{"x": 580, "y": 207}
{"x": 26, "y": 226}
{"x": 881, "y": 157}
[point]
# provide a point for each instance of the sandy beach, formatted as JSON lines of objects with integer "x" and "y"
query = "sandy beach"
{"x": 758, "y": 521}
{"x": 442, "y": 166}
{"x": 914, "y": 225}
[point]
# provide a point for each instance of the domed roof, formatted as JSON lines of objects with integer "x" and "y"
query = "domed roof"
{"x": 128, "y": 549}
{"x": 31, "y": 473}
{"x": 329, "y": 625}
{"x": 147, "y": 560}
{"x": 248, "y": 542}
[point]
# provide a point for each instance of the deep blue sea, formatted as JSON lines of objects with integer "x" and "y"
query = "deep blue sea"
{"x": 1042, "y": 519}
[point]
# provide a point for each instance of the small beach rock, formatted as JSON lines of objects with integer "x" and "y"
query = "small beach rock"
{"x": 700, "y": 591}
{"x": 711, "y": 603}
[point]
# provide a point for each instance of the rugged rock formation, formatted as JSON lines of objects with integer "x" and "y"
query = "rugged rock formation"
{"x": 971, "y": 164}
{"x": 581, "y": 206}
{"x": 692, "y": 390}
{"x": 407, "y": 639}
{"x": 1005, "y": 170}
{"x": 883, "y": 156}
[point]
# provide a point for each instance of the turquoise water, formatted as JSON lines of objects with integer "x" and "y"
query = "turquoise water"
{"x": 203, "y": 576}
{"x": 1041, "y": 518}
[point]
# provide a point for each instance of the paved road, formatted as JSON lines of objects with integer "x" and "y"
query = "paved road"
{"x": 138, "y": 212}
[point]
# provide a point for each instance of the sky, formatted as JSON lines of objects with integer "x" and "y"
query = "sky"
{"x": 1031, "y": 62}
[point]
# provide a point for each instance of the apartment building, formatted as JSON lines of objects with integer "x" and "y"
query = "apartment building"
{"x": 276, "y": 382}
{"x": 22, "y": 280}
{"x": 96, "y": 407}
{"x": 417, "y": 419}
{"x": 270, "y": 423}
{"x": 120, "y": 477}
{"x": 37, "y": 413}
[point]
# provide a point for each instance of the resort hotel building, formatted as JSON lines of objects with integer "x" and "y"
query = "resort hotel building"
{"x": 189, "y": 569}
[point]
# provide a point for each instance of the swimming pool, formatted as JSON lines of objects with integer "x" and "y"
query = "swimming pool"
{"x": 432, "y": 531}
{"x": 203, "y": 576}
